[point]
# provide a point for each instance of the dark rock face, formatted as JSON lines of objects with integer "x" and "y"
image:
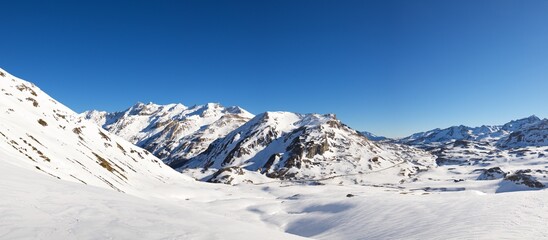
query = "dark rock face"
{"x": 492, "y": 174}
{"x": 225, "y": 175}
{"x": 535, "y": 134}
{"x": 524, "y": 177}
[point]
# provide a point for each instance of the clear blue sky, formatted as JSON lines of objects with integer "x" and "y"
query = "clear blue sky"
{"x": 389, "y": 67}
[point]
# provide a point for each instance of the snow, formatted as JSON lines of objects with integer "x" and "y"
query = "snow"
{"x": 501, "y": 133}
{"x": 373, "y": 137}
{"x": 48, "y": 199}
{"x": 171, "y": 131}
{"x": 306, "y": 147}
{"x": 40, "y": 207}
{"x": 35, "y": 206}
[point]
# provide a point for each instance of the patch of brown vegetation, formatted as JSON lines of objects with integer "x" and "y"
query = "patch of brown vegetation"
{"x": 108, "y": 166}
{"x": 77, "y": 130}
{"x": 36, "y": 140}
{"x": 34, "y": 102}
{"x": 23, "y": 87}
{"x": 121, "y": 148}
{"x": 104, "y": 136}
{"x": 40, "y": 154}
{"x": 42, "y": 122}
{"x": 104, "y": 163}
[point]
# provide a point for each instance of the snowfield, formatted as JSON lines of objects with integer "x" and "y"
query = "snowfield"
{"x": 65, "y": 178}
{"x": 36, "y": 206}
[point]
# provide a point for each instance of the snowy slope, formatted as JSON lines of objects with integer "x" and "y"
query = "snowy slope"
{"x": 39, "y": 133}
{"x": 37, "y": 206}
{"x": 377, "y": 213}
{"x": 293, "y": 146}
{"x": 62, "y": 178}
{"x": 455, "y": 200}
{"x": 174, "y": 131}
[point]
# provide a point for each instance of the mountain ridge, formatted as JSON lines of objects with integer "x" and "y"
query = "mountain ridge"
{"x": 437, "y": 136}
{"x": 172, "y": 131}
{"x": 287, "y": 145}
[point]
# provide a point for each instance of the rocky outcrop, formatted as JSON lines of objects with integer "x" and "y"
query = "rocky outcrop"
{"x": 492, "y": 174}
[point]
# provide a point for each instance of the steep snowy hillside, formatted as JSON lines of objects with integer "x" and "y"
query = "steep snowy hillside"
{"x": 302, "y": 147}
{"x": 37, "y": 206}
{"x": 39, "y": 133}
{"x": 174, "y": 131}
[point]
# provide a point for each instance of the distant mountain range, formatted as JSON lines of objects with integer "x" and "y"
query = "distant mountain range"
{"x": 230, "y": 145}
{"x": 214, "y": 143}
{"x": 530, "y": 131}
{"x": 219, "y": 144}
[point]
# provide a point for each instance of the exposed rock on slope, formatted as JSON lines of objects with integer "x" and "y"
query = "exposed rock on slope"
{"x": 520, "y": 147}
{"x": 39, "y": 133}
{"x": 437, "y": 137}
{"x": 532, "y": 134}
{"x": 173, "y": 131}
{"x": 302, "y": 147}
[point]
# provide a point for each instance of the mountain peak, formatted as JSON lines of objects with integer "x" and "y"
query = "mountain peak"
{"x": 172, "y": 131}
{"x": 519, "y": 123}
{"x": 289, "y": 145}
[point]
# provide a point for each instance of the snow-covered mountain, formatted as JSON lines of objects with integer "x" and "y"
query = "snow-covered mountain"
{"x": 533, "y": 133}
{"x": 293, "y": 146}
{"x": 437, "y": 137}
{"x": 60, "y": 178}
{"x": 173, "y": 131}
{"x": 43, "y": 135}
{"x": 372, "y": 136}
{"x": 515, "y": 152}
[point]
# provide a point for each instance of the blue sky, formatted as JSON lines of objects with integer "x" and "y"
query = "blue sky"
{"x": 389, "y": 67}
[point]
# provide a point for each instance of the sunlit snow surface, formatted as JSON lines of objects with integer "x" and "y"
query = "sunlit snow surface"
{"x": 40, "y": 207}
{"x": 53, "y": 186}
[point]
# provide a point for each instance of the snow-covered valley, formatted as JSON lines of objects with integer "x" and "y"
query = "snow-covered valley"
{"x": 40, "y": 207}
{"x": 286, "y": 175}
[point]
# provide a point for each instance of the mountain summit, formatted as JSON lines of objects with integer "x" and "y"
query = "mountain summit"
{"x": 307, "y": 147}
{"x": 173, "y": 131}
